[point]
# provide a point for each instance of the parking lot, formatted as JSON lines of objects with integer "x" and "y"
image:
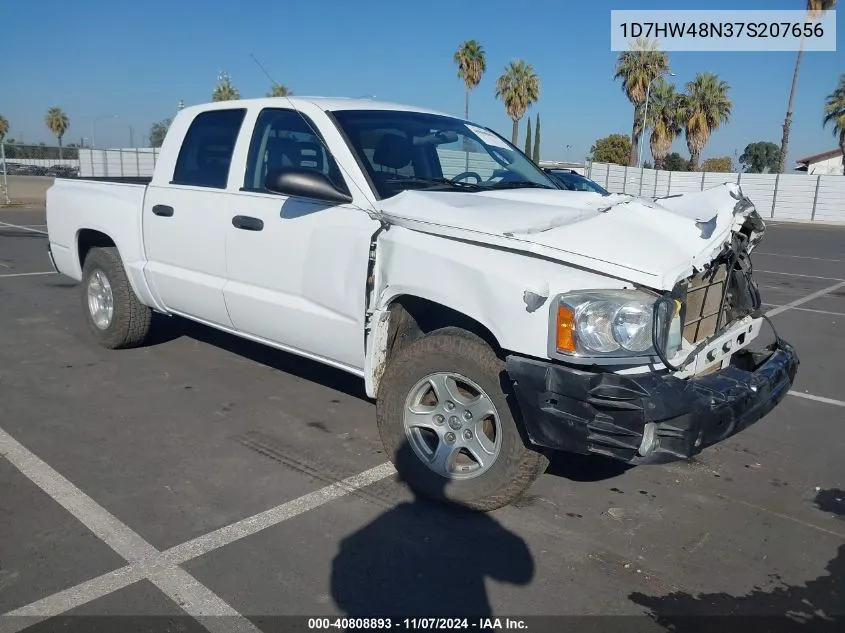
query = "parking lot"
{"x": 215, "y": 483}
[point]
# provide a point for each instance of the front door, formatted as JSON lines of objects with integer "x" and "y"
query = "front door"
{"x": 297, "y": 268}
{"x": 186, "y": 220}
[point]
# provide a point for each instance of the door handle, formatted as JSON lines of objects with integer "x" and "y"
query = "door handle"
{"x": 247, "y": 223}
{"x": 163, "y": 210}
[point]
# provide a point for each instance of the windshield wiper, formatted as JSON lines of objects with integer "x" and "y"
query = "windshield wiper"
{"x": 518, "y": 184}
{"x": 436, "y": 182}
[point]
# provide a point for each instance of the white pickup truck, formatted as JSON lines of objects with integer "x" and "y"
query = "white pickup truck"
{"x": 493, "y": 316}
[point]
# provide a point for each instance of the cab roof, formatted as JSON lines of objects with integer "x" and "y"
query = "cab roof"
{"x": 332, "y": 104}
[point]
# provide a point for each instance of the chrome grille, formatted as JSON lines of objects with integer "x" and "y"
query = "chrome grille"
{"x": 704, "y": 303}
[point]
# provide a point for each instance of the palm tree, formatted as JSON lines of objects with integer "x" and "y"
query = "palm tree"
{"x": 704, "y": 107}
{"x": 58, "y": 123}
{"x": 664, "y": 119}
{"x": 4, "y": 127}
{"x": 471, "y": 66}
{"x": 637, "y": 68}
{"x": 815, "y": 10}
{"x": 518, "y": 88}
{"x": 279, "y": 90}
{"x": 834, "y": 112}
{"x": 224, "y": 90}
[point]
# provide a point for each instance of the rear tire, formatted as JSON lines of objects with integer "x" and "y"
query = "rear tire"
{"x": 470, "y": 376}
{"x": 115, "y": 315}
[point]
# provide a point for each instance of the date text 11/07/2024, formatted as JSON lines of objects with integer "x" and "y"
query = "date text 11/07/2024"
{"x": 414, "y": 624}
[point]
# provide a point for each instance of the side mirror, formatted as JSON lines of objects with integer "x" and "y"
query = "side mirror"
{"x": 305, "y": 183}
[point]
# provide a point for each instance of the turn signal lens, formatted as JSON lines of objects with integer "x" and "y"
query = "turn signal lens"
{"x": 565, "y": 336}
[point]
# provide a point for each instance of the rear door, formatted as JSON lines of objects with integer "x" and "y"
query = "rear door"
{"x": 186, "y": 219}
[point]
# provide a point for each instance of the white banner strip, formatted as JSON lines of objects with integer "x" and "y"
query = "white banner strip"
{"x": 742, "y": 30}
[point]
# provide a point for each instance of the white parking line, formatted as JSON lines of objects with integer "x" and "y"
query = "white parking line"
{"x": 809, "y": 396}
{"x": 117, "y": 535}
{"x": 161, "y": 568}
{"x": 775, "y": 305}
{"x": 818, "y": 259}
{"x": 777, "y": 272}
{"x": 803, "y": 300}
{"x": 47, "y": 272}
{"x": 22, "y": 228}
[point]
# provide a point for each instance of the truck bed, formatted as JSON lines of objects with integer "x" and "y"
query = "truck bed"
{"x": 93, "y": 209}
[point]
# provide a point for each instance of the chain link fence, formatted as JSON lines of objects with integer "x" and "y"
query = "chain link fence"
{"x": 778, "y": 196}
{"x": 23, "y": 165}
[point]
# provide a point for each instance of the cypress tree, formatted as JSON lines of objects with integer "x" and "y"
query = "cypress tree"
{"x": 528, "y": 139}
{"x": 537, "y": 141}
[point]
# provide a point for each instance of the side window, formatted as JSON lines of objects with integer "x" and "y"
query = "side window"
{"x": 206, "y": 152}
{"x": 283, "y": 138}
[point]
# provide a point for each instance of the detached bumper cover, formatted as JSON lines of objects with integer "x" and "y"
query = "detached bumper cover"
{"x": 649, "y": 418}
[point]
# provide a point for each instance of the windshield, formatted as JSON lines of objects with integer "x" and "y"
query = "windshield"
{"x": 403, "y": 150}
{"x": 577, "y": 182}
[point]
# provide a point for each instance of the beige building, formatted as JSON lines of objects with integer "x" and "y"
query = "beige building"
{"x": 824, "y": 164}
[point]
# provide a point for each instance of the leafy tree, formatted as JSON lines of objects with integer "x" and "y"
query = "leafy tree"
{"x": 615, "y": 148}
{"x": 536, "y": 156}
{"x": 664, "y": 118}
{"x": 58, "y": 123}
{"x": 280, "y": 90}
{"x": 647, "y": 165}
{"x": 815, "y": 10}
{"x": 704, "y": 107}
{"x": 722, "y": 164}
{"x": 528, "y": 139}
{"x": 759, "y": 157}
{"x": 675, "y": 162}
{"x": 224, "y": 90}
{"x": 834, "y": 113}
{"x": 471, "y": 67}
{"x": 518, "y": 88}
{"x": 4, "y": 127}
{"x": 158, "y": 131}
{"x": 637, "y": 68}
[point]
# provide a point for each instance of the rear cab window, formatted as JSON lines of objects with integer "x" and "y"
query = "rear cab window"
{"x": 206, "y": 153}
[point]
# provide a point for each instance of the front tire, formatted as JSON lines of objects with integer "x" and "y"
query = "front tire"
{"x": 445, "y": 420}
{"x": 115, "y": 315}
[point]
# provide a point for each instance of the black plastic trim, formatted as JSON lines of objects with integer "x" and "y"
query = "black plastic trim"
{"x": 568, "y": 409}
{"x": 361, "y": 167}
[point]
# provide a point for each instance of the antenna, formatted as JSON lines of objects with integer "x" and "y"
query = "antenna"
{"x": 318, "y": 137}
{"x": 264, "y": 70}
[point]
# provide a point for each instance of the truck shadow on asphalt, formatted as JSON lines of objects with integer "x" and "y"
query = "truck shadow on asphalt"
{"x": 426, "y": 559}
{"x": 818, "y": 605}
{"x": 571, "y": 466}
{"x": 168, "y": 329}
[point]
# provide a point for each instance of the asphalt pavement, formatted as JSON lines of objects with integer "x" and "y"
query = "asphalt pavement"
{"x": 205, "y": 482}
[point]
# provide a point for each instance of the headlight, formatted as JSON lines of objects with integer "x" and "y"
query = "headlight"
{"x": 616, "y": 324}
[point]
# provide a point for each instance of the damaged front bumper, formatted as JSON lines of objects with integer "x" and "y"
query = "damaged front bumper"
{"x": 650, "y": 418}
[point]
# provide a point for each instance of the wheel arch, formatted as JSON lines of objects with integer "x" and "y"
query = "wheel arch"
{"x": 406, "y": 317}
{"x": 89, "y": 238}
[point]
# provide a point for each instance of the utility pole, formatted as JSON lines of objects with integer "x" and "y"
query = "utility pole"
{"x": 131, "y": 136}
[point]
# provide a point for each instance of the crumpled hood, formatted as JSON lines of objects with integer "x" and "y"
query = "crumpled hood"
{"x": 636, "y": 239}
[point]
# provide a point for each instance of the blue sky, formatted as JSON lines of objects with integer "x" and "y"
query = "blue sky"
{"x": 138, "y": 59}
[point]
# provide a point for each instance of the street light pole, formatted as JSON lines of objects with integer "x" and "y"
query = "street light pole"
{"x": 645, "y": 117}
